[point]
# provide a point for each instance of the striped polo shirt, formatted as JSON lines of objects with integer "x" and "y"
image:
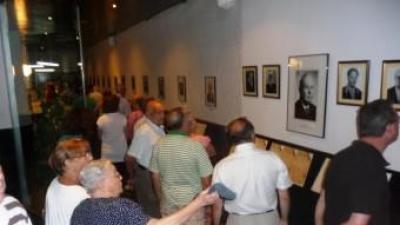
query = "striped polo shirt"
{"x": 181, "y": 163}
{"x": 12, "y": 212}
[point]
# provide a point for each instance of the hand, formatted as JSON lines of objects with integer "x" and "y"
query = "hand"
{"x": 205, "y": 198}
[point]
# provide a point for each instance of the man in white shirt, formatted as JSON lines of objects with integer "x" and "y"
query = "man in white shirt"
{"x": 147, "y": 133}
{"x": 255, "y": 175}
{"x": 64, "y": 192}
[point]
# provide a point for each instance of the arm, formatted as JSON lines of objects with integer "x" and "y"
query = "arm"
{"x": 184, "y": 214}
{"x": 157, "y": 184}
{"x": 205, "y": 182}
{"x": 217, "y": 211}
{"x": 358, "y": 219}
{"x": 320, "y": 209}
{"x": 284, "y": 202}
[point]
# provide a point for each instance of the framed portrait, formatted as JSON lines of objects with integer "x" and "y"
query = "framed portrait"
{"x": 352, "y": 84}
{"x": 182, "y": 89}
{"x": 250, "y": 81}
{"x": 210, "y": 91}
{"x": 307, "y": 87}
{"x": 390, "y": 86}
{"x": 146, "y": 84}
{"x": 133, "y": 83}
{"x": 123, "y": 81}
{"x": 161, "y": 88}
{"x": 115, "y": 83}
{"x": 271, "y": 75}
{"x": 108, "y": 82}
{"x": 103, "y": 82}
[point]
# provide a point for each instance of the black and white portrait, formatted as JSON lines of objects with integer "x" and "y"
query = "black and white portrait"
{"x": 146, "y": 85}
{"x": 210, "y": 91}
{"x": 161, "y": 88}
{"x": 249, "y": 76}
{"x": 391, "y": 82}
{"x": 182, "y": 89}
{"x": 307, "y": 76}
{"x": 133, "y": 83}
{"x": 305, "y": 108}
{"x": 271, "y": 81}
{"x": 352, "y": 82}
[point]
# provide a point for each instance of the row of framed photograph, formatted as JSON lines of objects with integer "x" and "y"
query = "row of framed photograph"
{"x": 307, "y": 87}
{"x": 210, "y": 88}
{"x": 352, "y": 79}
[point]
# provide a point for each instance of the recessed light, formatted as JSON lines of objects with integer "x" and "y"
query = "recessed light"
{"x": 45, "y": 33}
{"x": 50, "y": 18}
{"x": 114, "y": 5}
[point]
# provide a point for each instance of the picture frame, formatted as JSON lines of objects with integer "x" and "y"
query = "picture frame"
{"x": 271, "y": 78}
{"x": 115, "y": 82}
{"x": 161, "y": 88}
{"x": 145, "y": 80}
{"x": 250, "y": 81}
{"x": 307, "y": 93}
{"x": 123, "y": 80}
{"x": 181, "y": 88}
{"x": 391, "y": 82}
{"x": 210, "y": 91}
{"x": 352, "y": 82}
{"x": 133, "y": 83}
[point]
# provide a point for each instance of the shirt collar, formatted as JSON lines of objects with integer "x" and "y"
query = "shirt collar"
{"x": 244, "y": 147}
{"x": 153, "y": 125}
{"x": 177, "y": 132}
{"x": 371, "y": 148}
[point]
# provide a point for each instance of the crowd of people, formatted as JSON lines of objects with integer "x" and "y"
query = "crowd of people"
{"x": 154, "y": 152}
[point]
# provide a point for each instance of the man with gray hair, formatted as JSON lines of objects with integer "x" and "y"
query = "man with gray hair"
{"x": 356, "y": 190}
{"x": 181, "y": 167}
{"x": 393, "y": 93}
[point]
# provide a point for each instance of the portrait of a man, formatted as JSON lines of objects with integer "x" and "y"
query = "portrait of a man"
{"x": 250, "y": 81}
{"x": 271, "y": 86}
{"x": 393, "y": 93}
{"x": 304, "y": 106}
{"x": 161, "y": 87}
{"x": 211, "y": 97}
{"x": 351, "y": 91}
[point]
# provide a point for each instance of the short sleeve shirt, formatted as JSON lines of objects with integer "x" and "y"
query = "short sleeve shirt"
{"x": 254, "y": 175}
{"x": 12, "y": 212}
{"x": 181, "y": 163}
{"x": 356, "y": 182}
{"x": 109, "y": 211}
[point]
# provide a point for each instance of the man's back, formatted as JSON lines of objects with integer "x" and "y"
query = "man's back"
{"x": 254, "y": 175}
{"x": 356, "y": 182}
{"x": 181, "y": 163}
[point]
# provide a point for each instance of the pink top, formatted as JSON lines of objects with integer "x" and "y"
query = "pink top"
{"x": 206, "y": 142}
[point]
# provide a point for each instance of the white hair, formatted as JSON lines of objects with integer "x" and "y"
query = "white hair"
{"x": 93, "y": 173}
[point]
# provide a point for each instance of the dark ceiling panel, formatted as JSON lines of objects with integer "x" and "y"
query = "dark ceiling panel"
{"x": 100, "y": 20}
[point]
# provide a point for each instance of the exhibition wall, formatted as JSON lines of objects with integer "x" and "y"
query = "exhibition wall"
{"x": 197, "y": 39}
{"x": 194, "y": 39}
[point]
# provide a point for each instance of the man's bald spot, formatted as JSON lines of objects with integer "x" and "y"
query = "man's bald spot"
{"x": 236, "y": 127}
{"x": 154, "y": 106}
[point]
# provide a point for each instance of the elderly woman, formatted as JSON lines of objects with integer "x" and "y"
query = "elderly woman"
{"x": 103, "y": 183}
{"x": 64, "y": 192}
{"x": 11, "y": 210}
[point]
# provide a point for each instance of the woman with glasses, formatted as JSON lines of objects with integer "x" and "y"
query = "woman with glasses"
{"x": 64, "y": 192}
{"x": 103, "y": 183}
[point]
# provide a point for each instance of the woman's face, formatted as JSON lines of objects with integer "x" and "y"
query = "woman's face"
{"x": 112, "y": 183}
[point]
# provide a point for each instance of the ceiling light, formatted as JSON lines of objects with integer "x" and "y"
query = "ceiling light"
{"x": 48, "y": 63}
{"x": 45, "y": 70}
{"x": 114, "y": 5}
{"x": 26, "y": 70}
{"x": 45, "y": 33}
{"x": 35, "y": 66}
{"x": 50, "y": 18}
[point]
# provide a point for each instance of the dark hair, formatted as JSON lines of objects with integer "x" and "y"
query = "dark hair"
{"x": 174, "y": 119}
{"x": 352, "y": 70}
{"x": 110, "y": 104}
{"x": 240, "y": 130}
{"x": 67, "y": 149}
{"x": 373, "y": 118}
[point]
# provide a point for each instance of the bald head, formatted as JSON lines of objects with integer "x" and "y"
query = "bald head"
{"x": 155, "y": 111}
{"x": 240, "y": 131}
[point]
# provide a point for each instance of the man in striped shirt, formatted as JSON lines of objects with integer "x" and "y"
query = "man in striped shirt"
{"x": 11, "y": 210}
{"x": 180, "y": 166}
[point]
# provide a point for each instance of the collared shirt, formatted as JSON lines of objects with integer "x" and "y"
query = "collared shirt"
{"x": 254, "y": 175}
{"x": 356, "y": 182}
{"x": 181, "y": 163}
{"x": 146, "y": 136}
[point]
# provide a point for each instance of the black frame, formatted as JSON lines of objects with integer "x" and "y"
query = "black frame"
{"x": 145, "y": 82}
{"x": 214, "y": 80}
{"x": 278, "y": 82}
{"x": 384, "y": 62}
{"x": 161, "y": 88}
{"x": 182, "y": 98}
{"x": 255, "y": 81}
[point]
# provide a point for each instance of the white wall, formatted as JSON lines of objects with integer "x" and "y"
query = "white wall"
{"x": 346, "y": 29}
{"x": 194, "y": 39}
